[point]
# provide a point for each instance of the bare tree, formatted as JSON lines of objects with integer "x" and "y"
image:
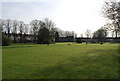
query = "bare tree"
{"x": 88, "y": 34}
{"x": 8, "y": 26}
{"x": 14, "y": 31}
{"x": 25, "y": 32}
{"x": 111, "y": 10}
{"x": 81, "y": 35}
{"x": 35, "y": 24}
{"x": 49, "y": 24}
{"x": 68, "y": 33}
{"x": 2, "y": 23}
{"x": 74, "y": 34}
{"x": 1, "y": 28}
{"x": 61, "y": 33}
{"x": 21, "y": 30}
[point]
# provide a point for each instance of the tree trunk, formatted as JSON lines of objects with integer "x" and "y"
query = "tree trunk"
{"x": 20, "y": 38}
{"x": 14, "y": 38}
{"x": 116, "y": 36}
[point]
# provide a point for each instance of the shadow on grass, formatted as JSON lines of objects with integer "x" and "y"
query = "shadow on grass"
{"x": 9, "y": 47}
{"x": 75, "y": 68}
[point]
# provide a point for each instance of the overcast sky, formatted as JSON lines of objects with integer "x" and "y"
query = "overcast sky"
{"x": 72, "y": 15}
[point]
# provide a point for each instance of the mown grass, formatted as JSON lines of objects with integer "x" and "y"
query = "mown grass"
{"x": 60, "y": 61}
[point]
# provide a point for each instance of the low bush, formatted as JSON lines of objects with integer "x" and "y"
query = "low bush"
{"x": 79, "y": 40}
{"x": 6, "y": 41}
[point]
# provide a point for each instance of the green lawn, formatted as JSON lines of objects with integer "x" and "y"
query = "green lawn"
{"x": 60, "y": 61}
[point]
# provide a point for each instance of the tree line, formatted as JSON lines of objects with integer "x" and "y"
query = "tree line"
{"x": 42, "y": 31}
{"x": 110, "y": 11}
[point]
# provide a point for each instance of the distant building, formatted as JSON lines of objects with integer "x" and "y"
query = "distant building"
{"x": 67, "y": 39}
{"x": 30, "y": 38}
{"x": 94, "y": 40}
{"x": 27, "y": 37}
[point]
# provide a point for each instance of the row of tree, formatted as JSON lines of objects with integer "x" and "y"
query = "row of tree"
{"x": 111, "y": 11}
{"x": 42, "y": 31}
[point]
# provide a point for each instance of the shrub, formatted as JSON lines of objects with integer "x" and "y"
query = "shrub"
{"x": 79, "y": 40}
{"x": 6, "y": 41}
{"x": 101, "y": 43}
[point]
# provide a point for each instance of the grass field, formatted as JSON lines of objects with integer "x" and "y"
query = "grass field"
{"x": 60, "y": 61}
